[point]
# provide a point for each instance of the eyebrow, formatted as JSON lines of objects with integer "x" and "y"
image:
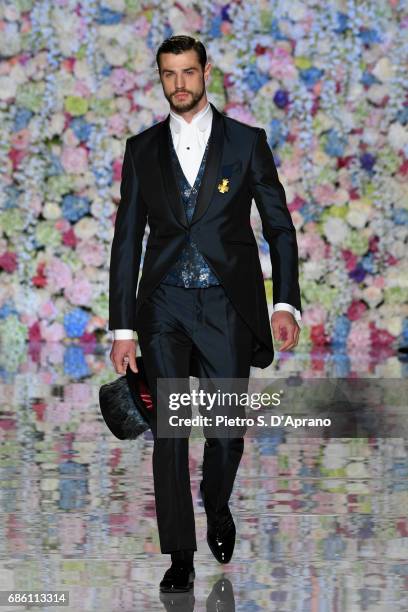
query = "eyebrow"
{"x": 184, "y": 69}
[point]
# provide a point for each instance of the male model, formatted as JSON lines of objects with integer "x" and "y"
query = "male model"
{"x": 201, "y": 307}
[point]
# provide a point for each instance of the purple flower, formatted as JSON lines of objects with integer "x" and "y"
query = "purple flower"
{"x": 281, "y": 98}
{"x": 367, "y": 161}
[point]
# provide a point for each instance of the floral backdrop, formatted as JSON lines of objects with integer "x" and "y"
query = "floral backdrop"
{"x": 327, "y": 81}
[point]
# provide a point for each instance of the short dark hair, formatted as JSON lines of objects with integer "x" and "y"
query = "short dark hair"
{"x": 180, "y": 44}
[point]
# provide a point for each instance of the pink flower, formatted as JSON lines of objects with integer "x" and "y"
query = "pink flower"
{"x": 52, "y": 333}
{"x": 314, "y": 315}
{"x": 92, "y": 253}
{"x": 116, "y": 125}
{"x": 311, "y": 245}
{"x": 122, "y": 80}
{"x": 117, "y": 169}
{"x": 380, "y": 336}
{"x": 356, "y": 310}
{"x": 349, "y": 258}
{"x": 141, "y": 26}
{"x": 47, "y": 310}
{"x": 62, "y": 225}
{"x": 359, "y": 336}
{"x": 21, "y": 139}
{"x": 74, "y": 159}
{"x": 281, "y": 64}
{"x": 81, "y": 89}
{"x": 79, "y": 292}
{"x": 34, "y": 332}
{"x": 58, "y": 275}
{"x": 8, "y": 261}
{"x": 324, "y": 194}
{"x": 238, "y": 112}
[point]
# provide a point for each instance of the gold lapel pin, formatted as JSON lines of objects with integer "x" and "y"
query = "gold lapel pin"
{"x": 223, "y": 186}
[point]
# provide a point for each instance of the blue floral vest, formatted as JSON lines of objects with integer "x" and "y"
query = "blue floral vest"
{"x": 190, "y": 269}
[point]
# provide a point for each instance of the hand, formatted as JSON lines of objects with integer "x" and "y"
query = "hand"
{"x": 122, "y": 353}
{"x": 285, "y": 328}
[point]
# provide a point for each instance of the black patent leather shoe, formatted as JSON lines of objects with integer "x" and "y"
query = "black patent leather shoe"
{"x": 221, "y": 540}
{"x": 220, "y": 535}
{"x": 221, "y": 598}
{"x": 178, "y": 578}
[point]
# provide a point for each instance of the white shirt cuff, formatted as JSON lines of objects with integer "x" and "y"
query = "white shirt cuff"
{"x": 289, "y": 308}
{"x": 124, "y": 334}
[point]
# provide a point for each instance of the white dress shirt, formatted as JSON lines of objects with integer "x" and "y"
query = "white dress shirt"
{"x": 189, "y": 140}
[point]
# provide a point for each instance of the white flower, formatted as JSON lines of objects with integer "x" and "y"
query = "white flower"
{"x": 383, "y": 70}
{"x": 86, "y": 228}
{"x": 397, "y": 136}
{"x": 8, "y": 87}
{"x": 335, "y": 230}
{"x": 372, "y": 295}
{"x": 51, "y": 210}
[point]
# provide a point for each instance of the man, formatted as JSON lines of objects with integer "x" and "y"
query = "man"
{"x": 201, "y": 306}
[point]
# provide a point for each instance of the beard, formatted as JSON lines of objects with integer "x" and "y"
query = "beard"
{"x": 188, "y": 103}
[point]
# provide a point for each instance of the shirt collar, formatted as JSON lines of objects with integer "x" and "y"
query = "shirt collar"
{"x": 201, "y": 119}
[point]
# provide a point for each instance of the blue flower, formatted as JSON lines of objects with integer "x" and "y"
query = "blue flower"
{"x": 335, "y": 144}
{"x": 215, "y": 27}
{"x": 12, "y": 193}
{"x": 368, "y": 79}
{"x": 81, "y": 128}
{"x": 402, "y": 115}
{"x": 369, "y": 36}
{"x": 275, "y": 31}
{"x": 54, "y": 166}
{"x": 74, "y": 362}
{"x": 342, "y": 21}
{"x": 341, "y": 328}
{"x": 75, "y": 322}
{"x": 308, "y": 212}
{"x": 277, "y": 133}
{"x": 400, "y": 216}
{"x": 7, "y": 309}
{"x": 310, "y": 76}
{"x": 74, "y": 207}
{"x": 367, "y": 263}
{"x": 254, "y": 78}
{"x": 21, "y": 119}
{"x": 108, "y": 17}
{"x": 342, "y": 365}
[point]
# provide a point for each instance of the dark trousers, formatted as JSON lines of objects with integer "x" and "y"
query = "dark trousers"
{"x": 176, "y": 324}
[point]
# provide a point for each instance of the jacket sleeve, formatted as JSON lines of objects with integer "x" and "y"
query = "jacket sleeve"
{"x": 277, "y": 226}
{"x": 130, "y": 224}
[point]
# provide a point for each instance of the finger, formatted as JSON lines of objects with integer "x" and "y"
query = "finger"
{"x": 278, "y": 331}
{"x": 290, "y": 341}
{"x": 297, "y": 334}
{"x": 132, "y": 362}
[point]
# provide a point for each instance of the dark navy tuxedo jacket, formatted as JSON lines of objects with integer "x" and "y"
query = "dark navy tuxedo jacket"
{"x": 220, "y": 225}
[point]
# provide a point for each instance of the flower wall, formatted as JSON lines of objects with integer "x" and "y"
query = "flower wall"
{"x": 327, "y": 81}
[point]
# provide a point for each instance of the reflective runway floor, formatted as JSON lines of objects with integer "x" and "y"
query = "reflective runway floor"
{"x": 322, "y": 525}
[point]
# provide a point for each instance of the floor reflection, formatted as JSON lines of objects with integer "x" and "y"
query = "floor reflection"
{"x": 321, "y": 524}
